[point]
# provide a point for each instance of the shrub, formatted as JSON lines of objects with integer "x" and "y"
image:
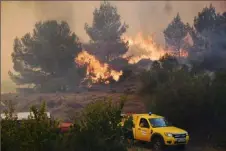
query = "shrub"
{"x": 98, "y": 128}
{"x": 36, "y": 133}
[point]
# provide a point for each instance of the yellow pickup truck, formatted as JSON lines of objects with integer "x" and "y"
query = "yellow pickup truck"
{"x": 157, "y": 130}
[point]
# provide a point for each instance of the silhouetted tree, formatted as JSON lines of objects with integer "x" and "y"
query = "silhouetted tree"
{"x": 105, "y": 33}
{"x": 209, "y": 50}
{"x": 207, "y": 19}
{"x": 45, "y": 54}
{"x": 175, "y": 33}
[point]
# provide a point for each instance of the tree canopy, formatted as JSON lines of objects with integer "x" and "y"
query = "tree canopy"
{"x": 207, "y": 19}
{"x": 46, "y": 53}
{"x": 209, "y": 49}
{"x": 175, "y": 33}
{"x": 106, "y": 31}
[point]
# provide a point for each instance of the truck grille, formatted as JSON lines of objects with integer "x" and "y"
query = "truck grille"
{"x": 179, "y": 135}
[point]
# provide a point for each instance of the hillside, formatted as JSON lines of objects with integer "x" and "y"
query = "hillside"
{"x": 64, "y": 105}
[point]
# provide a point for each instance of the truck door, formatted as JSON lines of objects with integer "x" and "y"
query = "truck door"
{"x": 143, "y": 131}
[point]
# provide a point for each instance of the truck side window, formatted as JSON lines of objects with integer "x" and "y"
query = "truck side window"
{"x": 144, "y": 123}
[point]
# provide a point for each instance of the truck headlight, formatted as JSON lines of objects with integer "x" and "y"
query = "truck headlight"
{"x": 169, "y": 134}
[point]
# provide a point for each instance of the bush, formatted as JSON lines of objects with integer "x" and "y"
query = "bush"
{"x": 97, "y": 129}
{"x": 37, "y": 133}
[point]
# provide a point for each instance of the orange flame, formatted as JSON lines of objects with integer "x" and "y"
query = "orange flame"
{"x": 96, "y": 70}
{"x": 141, "y": 48}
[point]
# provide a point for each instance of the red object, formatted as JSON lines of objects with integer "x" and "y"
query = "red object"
{"x": 65, "y": 126}
{"x": 130, "y": 113}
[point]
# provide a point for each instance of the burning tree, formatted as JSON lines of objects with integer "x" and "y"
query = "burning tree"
{"x": 105, "y": 33}
{"x": 175, "y": 34}
{"x": 45, "y": 58}
{"x": 96, "y": 71}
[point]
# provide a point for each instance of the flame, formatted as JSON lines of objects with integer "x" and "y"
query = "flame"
{"x": 147, "y": 48}
{"x": 95, "y": 69}
{"x": 183, "y": 53}
{"x": 139, "y": 48}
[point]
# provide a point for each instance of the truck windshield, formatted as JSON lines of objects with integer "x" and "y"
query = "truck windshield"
{"x": 159, "y": 122}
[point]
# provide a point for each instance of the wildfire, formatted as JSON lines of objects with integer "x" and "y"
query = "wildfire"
{"x": 95, "y": 69}
{"x": 139, "y": 48}
{"x": 147, "y": 48}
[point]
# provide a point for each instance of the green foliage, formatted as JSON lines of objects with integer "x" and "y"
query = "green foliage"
{"x": 207, "y": 19}
{"x": 46, "y": 54}
{"x": 37, "y": 133}
{"x": 208, "y": 51}
{"x": 175, "y": 33}
{"x": 106, "y": 24}
{"x": 128, "y": 124}
{"x": 105, "y": 33}
{"x": 97, "y": 129}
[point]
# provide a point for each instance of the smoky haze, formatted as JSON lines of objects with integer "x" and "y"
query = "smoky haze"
{"x": 18, "y": 18}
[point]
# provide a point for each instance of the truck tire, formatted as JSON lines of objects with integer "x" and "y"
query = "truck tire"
{"x": 158, "y": 144}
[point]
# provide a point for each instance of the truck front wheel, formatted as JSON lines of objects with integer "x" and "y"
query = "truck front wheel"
{"x": 158, "y": 144}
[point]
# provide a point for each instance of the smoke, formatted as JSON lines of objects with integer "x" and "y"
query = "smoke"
{"x": 220, "y": 5}
{"x": 18, "y": 18}
{"x": 75, "y": 13}
{"x": 214, "y": 56}
{"x": 168, "y": 8}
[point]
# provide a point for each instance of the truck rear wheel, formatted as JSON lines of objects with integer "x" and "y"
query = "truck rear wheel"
{"x": 158, "y": 144}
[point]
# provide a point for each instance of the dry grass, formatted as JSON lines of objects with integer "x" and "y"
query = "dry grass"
{"x": 63, "y": 104}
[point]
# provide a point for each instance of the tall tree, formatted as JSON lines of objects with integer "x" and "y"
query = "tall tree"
{"x": 45, "y": 54}
{"x": 207, "y": 19}
{"x": 175, "y": 33}
{"x": 211, "y": 32}
{"x": 106, "y": 31}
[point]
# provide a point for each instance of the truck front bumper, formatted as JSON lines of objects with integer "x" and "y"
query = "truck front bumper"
{"x": 171, "y": 141}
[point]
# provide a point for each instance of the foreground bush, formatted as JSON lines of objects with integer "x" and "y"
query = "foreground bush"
{"x": 36, "y": 133}
{"x": 97, "y": 130}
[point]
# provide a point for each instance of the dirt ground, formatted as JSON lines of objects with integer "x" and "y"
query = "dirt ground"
{"x": 61, "y": 105}
{"x": 190, "y": 147}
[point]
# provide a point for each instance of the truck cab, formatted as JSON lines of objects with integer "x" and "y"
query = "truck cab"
{"x": 157, "y": 130}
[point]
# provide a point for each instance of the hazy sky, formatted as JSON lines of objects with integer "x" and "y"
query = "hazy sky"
{"x": 18, "y": 18}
